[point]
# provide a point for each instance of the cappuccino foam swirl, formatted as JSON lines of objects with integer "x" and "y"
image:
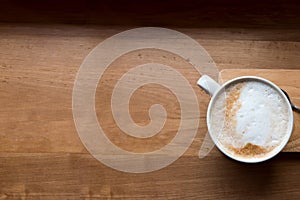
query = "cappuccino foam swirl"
{"x": 249, "y": 118}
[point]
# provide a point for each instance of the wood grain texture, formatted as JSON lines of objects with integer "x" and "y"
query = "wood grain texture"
{"x": 42, "y": 157}
{"x": 79, "y": 176}
{"x": 285, "y": 79}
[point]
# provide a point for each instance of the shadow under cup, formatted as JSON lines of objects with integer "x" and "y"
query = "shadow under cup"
{"x": 249, "y": 119}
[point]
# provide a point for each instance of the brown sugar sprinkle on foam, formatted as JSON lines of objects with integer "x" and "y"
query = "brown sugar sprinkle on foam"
{"x": 249, "y": 150}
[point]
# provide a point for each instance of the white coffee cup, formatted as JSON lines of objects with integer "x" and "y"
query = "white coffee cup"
{"x": 261, "y": 132}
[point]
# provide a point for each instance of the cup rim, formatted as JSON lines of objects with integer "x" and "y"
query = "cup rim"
{"x": 277, "y": 149}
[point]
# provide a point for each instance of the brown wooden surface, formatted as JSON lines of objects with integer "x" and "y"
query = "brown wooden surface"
{"x": 41, "y": 154}
{"x": 41, "y": 48}
{"x": 286, "y": 79}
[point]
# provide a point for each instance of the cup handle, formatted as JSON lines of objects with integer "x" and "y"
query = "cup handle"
{"x": 208, "y": 84}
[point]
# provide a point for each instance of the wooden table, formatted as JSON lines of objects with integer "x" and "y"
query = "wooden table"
{"x": 41, "y": 155}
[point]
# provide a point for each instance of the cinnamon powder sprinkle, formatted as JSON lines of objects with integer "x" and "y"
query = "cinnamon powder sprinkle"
{"x": 232, "y": 104}
{"x": 249, "y": 150}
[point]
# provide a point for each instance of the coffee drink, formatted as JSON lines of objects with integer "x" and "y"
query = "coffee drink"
{"x": 249, "y": 118}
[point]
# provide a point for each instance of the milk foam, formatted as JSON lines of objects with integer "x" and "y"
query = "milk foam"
{"x": 260, "y": 116}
